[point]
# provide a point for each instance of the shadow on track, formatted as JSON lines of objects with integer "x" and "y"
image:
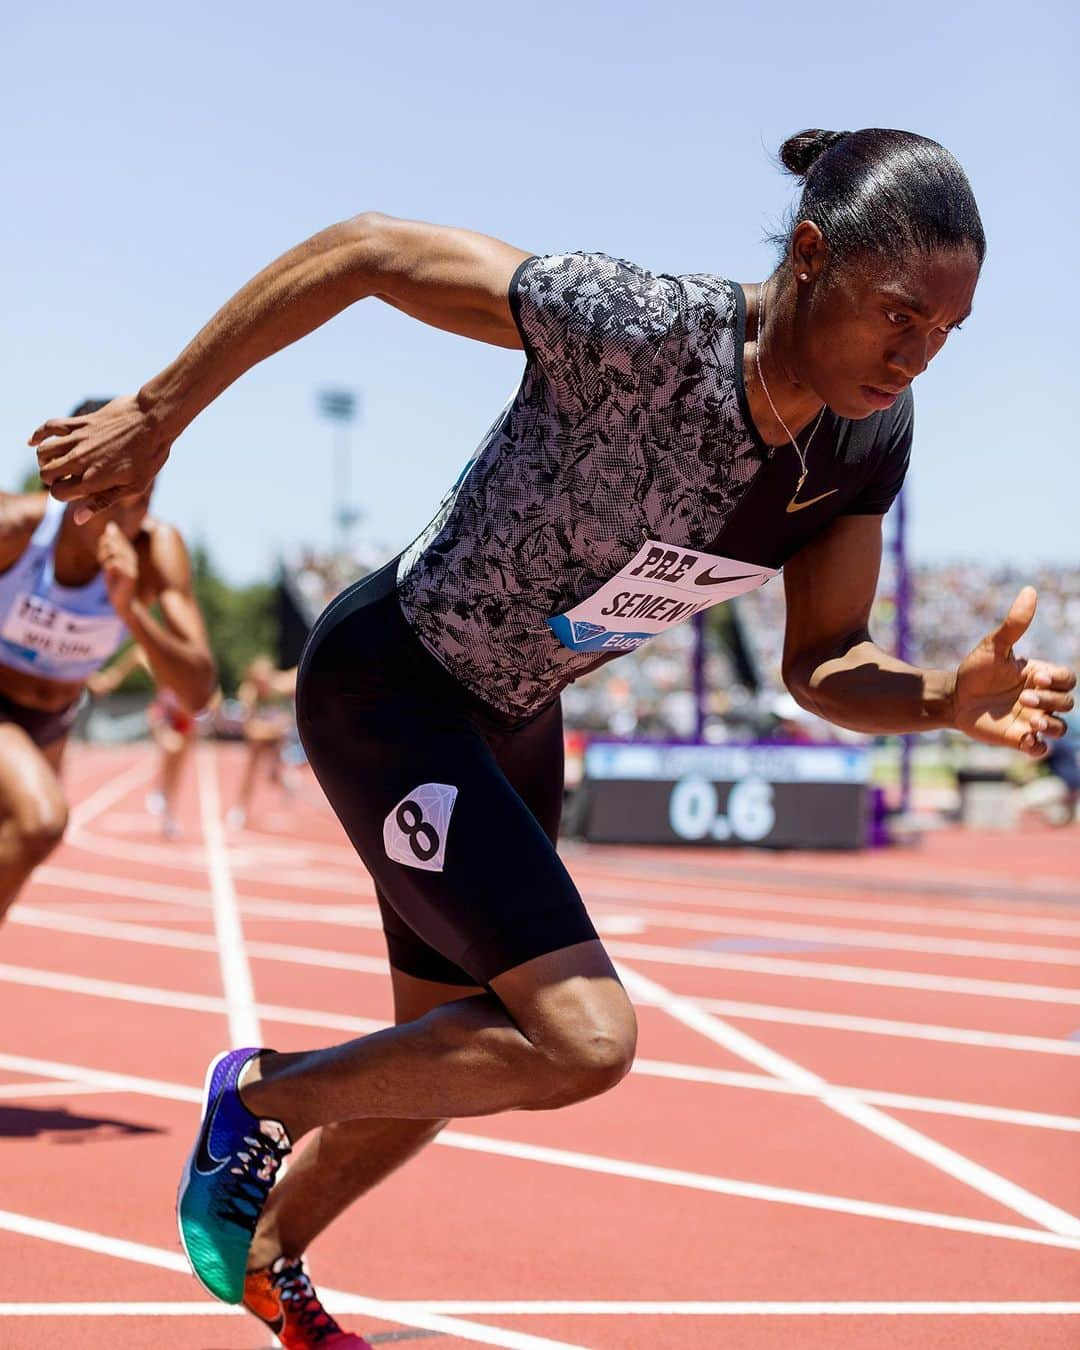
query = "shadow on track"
{"x": 29, "y": 1122}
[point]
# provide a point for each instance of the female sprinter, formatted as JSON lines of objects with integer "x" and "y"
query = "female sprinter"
{"x": 675, "y": 440}
{"x": 70, "y": 595}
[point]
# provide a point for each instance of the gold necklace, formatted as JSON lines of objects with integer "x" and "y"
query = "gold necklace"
{"x": 793, "y": 505}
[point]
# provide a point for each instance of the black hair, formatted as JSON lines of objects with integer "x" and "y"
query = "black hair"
{"x": 89, "y": 405}
{"x": 877, "y": 189}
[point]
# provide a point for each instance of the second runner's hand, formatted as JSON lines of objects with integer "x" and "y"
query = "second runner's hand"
{"x": 100, "y": 457}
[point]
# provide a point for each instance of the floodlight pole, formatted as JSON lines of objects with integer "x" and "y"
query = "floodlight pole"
{"x": 701, "y": 689}
{"x": 903, "y": 634}
{"x": 341, "y": 407}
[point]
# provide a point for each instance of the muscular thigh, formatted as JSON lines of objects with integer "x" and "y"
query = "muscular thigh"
{"x": 30, "y": 787}
{"x": 414, "y": 997}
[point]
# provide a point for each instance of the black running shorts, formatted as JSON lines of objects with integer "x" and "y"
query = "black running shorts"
{"x": 453, "y": 807}
{"x": 43, "y": 728}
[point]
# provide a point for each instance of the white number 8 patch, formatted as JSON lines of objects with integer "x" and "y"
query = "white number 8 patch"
{"x": 414, "y": 833}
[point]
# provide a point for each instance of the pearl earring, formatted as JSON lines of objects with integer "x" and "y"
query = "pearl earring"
{"x": 804, "y": 276}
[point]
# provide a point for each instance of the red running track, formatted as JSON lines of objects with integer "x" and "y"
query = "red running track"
{"x": 854, "y": 1120}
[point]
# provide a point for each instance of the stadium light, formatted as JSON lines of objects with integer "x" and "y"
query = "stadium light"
{"x": 342, "y": 408}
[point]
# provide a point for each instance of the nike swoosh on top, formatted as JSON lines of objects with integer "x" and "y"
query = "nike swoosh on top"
{"x": 205, "y": 1162}
{"x": 707, "y": 579}
{"x": 794, "y": 506}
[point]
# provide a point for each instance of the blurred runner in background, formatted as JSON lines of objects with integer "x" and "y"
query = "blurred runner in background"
{"x": 266, "y": 696}
{"x": 70, "y": 595}
{"x": 174, "y": 729}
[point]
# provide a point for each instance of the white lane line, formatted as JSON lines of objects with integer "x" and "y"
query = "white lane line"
{"x": 82, "y": 813}
{"x": 320, "y": 956}
{"x": 359, "y": 884}
{"x": 95, "y": 987}
{"x": 905, "y": 1137}
{"x": 102, "y": 1080}
{"x": 355, "y": 883}
{"x": 359, "y": 914}
{"x": 750, "y": 1190}
{"x": 179, "y": 918}
{"x": 149, "y": 996}
{"x": 178, "y": 855}
{"x": 605, "y": 1165}
{"x": 236, "y": 979}
{"x": 186, "y": 1309}
{"x": 588, "y": 1162}
{"x": 819, "y": 970}
{"x": 883, "y": 1026}
{"x": 32, "y": 1091}
{"x": 405, "y": 1314}
{"x": 857, "y": 937}
{"x": 27, "y": 1226}
{"x": 41, "y": 917}
{"x": 92, "y": 987}
{"x": 639, "y": 1308}
{"x": 687, "y": 1073}
{"x": 772, "y": 873}
{"x": 132, "y": 888}
{"x": 753, "y": 1082}
{"x": 344, "y": 1304}
{"x": 718, "y": 898}
{"x": 117, "y": 931}
{"x": 249, "y": 856}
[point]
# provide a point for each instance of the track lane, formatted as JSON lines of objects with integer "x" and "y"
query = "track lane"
{"x": 525, "y": 1229}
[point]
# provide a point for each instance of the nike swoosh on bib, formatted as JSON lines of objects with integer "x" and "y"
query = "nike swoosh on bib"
{"x": 205, "y": 1162}
{"x": 707, "y": 579}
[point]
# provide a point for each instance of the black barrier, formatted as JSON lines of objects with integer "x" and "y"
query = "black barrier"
{"x": 768, "y": 796}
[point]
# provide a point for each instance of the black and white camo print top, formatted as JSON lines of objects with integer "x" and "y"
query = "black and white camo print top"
{"x": 627, "y": 453}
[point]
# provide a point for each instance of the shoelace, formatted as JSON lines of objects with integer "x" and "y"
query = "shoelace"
{"x": 252, "y": 1174}
{"x": 294, "y": 1285}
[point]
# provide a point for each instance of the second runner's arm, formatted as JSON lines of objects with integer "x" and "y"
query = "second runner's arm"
{"x": 176, "y": 646}
{"x": 452, "y": 279}
{"x": 110, "y": 679}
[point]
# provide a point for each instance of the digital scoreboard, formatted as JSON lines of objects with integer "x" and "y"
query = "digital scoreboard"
{"x": 767, "y": 795}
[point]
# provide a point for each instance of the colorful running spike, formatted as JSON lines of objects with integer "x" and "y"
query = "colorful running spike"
{"x": 282, "y": 1296}
{"x": 226, "y": 1180}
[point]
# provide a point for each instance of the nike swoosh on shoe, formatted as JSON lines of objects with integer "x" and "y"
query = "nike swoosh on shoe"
{"x": 205, "y": 1162}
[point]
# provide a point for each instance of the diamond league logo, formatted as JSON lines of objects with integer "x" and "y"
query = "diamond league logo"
{"x": 414, "y": 833}
{"x": 583, "y": 631}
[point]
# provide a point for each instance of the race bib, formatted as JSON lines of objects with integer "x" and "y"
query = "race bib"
{"x": 46, "y": 630}
{"x": 659, "y": 587}
{"x": 414, "y": 833}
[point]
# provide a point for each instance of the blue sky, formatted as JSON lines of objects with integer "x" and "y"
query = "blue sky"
{"x": 154, "y": 158}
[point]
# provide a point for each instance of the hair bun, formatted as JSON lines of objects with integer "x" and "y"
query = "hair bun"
{"x": 801, "y": 151}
